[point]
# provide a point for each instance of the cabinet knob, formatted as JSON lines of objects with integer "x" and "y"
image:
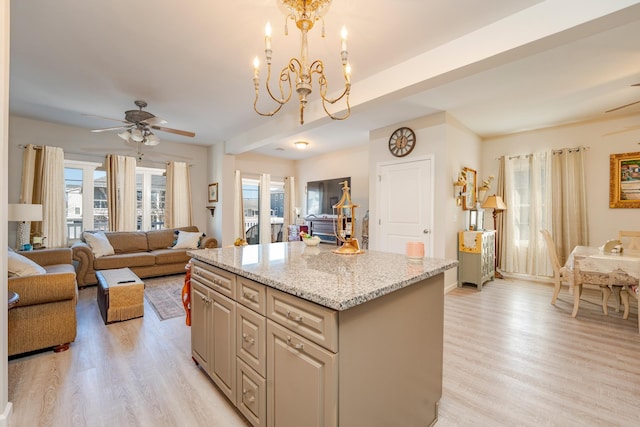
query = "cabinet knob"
{"x": 246, "y": 337}
{"x": 250, "y": 297}
{"x": 298, "y": 346}
{"x": 426, "y": 231}
{"x": 293, "y": 316}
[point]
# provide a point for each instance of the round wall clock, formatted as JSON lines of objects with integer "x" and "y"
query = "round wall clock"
{"x": 402, "y": 142}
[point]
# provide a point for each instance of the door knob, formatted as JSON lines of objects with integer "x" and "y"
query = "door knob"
{"x": 426, "y": 231}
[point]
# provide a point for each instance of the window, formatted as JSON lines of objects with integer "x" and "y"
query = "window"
{"x": 86, "y": 198}
{"x": 251, "y": 201}
{"x": 151, "y": 185}
{"x": 85, "y": 209}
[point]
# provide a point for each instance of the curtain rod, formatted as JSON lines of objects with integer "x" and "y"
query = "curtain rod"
{"x": 37, "y": 147}
{"x": 573, "y": 149}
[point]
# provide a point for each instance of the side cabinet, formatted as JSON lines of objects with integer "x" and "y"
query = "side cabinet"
{"x": 476, "y": 253}
{"x": 213, "y": 325}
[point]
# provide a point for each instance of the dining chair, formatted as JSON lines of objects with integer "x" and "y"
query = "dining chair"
{"x": 560, "y": 273}
{"x": 630, "y": 240}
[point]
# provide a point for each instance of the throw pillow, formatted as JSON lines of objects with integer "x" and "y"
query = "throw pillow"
{"x": 99, "y": 244}
{"x": 187, "y": 240}
{"x": 22, "y": 266}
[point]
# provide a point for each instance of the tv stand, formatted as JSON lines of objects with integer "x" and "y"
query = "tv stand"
{"x": 322, "y": 226}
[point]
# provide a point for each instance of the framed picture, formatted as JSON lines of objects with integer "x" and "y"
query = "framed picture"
{"x": 624, "y": 182}
{"x": 213, "y": 192}
{"x": 470, "y": 196}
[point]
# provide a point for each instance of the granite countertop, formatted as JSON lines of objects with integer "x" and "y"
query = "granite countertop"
{"x": 321, "y": 276}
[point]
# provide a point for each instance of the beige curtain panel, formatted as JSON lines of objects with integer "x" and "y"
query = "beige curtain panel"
{"x": 238, "y": 208}
{"x": 177, "y": 212}
{"x": 43, "y": 184}
{"x": 121, "y": 192}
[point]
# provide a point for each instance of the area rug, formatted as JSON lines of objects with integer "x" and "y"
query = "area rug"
{"x": 164, "y": 294}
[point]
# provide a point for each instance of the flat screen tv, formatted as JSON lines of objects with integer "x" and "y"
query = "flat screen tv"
{"x": 322, "y": 195}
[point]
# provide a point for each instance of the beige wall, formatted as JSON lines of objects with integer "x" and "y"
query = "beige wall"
{"x": 80, "y": 144}
{"x": 451, "y": 146}
{"x": 603, "y": 137}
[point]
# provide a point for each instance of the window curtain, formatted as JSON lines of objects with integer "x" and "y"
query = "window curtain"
{"x": 289, "y": 206}
{"x": 43, "y": 183}
{"x": 569, "y": 201}
{"x": 265, "y": 208}
{"x": 121, "y": 192}
{"x": 238, "y": 208}
{"x": 527, "y": 186}
{"x": 500, "y": 222}
{"x": 178, "y": 197}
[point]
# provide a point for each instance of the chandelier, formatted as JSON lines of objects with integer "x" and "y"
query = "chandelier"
{"x": 304, "y": 13}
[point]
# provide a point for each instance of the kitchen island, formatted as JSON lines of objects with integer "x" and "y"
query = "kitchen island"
{"x": 297, "y": 335}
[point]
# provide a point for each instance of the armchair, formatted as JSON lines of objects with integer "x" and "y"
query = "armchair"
{"x": 45, "y": 315}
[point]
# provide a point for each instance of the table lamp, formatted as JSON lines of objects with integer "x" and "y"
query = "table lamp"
{"x": 23, "y": 213}
{"x": 497, "y": 204}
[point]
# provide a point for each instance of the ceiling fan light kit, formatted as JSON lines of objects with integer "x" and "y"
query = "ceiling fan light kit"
{"x": 304, "y": 13}
{"x": 138, "y": 126}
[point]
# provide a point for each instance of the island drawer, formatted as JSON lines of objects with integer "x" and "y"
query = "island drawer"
{"x": 251, "y": 338}
{"x": 251, "y": 395}
{"x": 252, "y": 295}
{"x": 318, "y": 324}
{"x": 215, "y": 278}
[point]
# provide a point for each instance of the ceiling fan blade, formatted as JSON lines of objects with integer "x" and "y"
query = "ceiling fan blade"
{"x": 622, "y": 106}
{"x": 154, "y": 121}
{"x": 105, "y": 118}
{"x": 113, "y": 128}
{"x": 176, "y": 131}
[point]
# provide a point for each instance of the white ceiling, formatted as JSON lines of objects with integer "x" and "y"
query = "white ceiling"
{"x": 498, "y": 66}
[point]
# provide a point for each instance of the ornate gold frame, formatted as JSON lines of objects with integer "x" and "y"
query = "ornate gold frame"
{"x": 619, "y": 166}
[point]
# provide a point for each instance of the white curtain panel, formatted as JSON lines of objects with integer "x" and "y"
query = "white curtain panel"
{"x": 289, "y": 206}
{"x": 178, "y": 197}
{"x": 238, "y": 207}
{"x": 265, "y": 208}
{"x": 529, "y": 209}
{"x": 54, "y": 220}
{"x": 121, "y": 192}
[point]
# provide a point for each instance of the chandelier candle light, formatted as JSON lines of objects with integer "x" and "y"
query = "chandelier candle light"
{"x": 304, "y": 13}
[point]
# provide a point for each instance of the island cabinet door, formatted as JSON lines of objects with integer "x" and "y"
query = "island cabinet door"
{"x": 302, "y": 381}
{"x": 200, "y": 325}
{"x": 223, "y": 359}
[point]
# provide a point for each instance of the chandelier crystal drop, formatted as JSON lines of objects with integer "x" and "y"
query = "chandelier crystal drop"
{"x": 304, "y": 13}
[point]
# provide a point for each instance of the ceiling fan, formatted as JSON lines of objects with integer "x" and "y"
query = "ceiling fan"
{"x": 138, "y": 126}
{"x": 626, "y": 105}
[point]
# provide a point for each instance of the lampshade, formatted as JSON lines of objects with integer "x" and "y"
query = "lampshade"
{"x": 137, "y": 135}
{"x": 125, "y": 135}
{"x": 24, "y": 212}
{"x": 494, "y": 202}
{"x": 151, "y": 139}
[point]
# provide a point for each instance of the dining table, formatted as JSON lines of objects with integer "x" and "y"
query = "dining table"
{"x": 609, "y": 270}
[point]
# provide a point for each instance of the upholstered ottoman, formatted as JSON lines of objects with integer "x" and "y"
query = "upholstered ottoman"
{"x": 120, "y": 295}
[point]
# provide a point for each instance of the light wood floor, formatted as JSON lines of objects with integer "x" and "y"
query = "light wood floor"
{"x": 510, "y": 359}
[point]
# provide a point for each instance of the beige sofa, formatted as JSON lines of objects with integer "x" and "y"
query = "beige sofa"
{"x": 146, "y": 253}
{"x": 45, "y": 315}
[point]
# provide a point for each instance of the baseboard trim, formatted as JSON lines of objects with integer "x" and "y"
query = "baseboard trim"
{"x": 451, "y": 286}
{"x": 4, "y": 417}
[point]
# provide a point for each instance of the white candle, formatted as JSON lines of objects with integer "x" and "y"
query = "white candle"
{"x": 267, "y": 36}
{"x": 343, "y": 36}
{"x": 347, "y": 72}
{"x": 256, "y": 67}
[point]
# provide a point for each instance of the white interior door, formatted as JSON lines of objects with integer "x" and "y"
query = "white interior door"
{"x": 405, "y": 209}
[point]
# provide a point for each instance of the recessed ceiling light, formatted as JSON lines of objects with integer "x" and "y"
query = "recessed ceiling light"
{"x": 301, "y": 145}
